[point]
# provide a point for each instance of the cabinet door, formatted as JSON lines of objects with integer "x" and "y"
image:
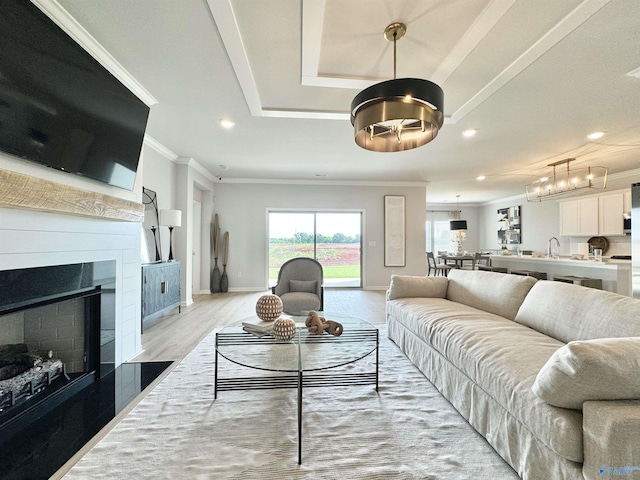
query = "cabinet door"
{"x": 152, "y": 297}
{"x": 569, "y": 218}
{"x": 611, "y": 208}
{"x": 588, "y": 214}
{"x": 172, "y": 279}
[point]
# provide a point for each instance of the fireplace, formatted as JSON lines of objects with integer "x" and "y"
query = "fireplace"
{"x": 57, "y": 335}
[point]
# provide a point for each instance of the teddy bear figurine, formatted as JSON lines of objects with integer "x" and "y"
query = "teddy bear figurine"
{"x": 317, "y": 324}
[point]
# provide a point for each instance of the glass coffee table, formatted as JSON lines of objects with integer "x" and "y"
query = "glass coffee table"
{"x": 307, "y": 360}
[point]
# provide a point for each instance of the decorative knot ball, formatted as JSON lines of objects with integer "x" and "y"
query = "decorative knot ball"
{"x": 269, "y": 307}
{"x": 284, "y": 329}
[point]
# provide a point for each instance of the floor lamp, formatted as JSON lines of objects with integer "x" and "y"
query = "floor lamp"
{"x": 170, "y": 218}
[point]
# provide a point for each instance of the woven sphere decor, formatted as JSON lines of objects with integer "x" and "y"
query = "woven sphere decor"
{"x": 269, "y": 307}
{"x": 284, "y": 329}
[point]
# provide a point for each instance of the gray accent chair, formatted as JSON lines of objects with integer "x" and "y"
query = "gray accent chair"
{"x": 300, "y": 286}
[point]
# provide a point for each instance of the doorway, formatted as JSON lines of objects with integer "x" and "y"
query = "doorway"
{"x": 333, "y": 238}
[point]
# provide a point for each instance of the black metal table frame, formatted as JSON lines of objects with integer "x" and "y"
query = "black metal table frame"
{"x": 297, "y": 380}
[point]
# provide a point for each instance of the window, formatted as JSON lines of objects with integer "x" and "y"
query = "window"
{"x": 332, "y": 238}
{"x": 438, "y": 233}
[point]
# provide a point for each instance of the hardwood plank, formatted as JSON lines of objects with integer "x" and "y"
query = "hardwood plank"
{"x": 179, "y": 333}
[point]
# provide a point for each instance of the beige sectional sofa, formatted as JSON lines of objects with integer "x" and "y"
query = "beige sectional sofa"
{"x": 547, "y": 372}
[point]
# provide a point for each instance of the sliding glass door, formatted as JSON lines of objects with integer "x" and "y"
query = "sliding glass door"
{"x": 332, "y": 238}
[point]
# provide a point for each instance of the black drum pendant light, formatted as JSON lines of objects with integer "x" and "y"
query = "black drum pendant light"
{"x": 398, "y": 114}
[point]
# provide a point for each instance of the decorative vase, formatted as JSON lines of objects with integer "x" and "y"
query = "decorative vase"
{"x": 284, "y": 329}
{"x": 269, "y": 308}
{"x": 215, "y": 244}
{"x": 215, "y": 278}
{"x": 224, "y": 280}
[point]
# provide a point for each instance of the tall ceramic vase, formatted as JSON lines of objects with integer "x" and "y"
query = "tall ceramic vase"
{"x": 215, "y": 278}
{"x": 224, "y": 280}
{"x": 215, "y": 243}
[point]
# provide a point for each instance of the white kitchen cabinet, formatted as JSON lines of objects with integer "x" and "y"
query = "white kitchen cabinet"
{"x": 569, "y": 218}
{"x": 611, "y": 208}
{"x": 594, "y": 215}
{"x": 589, "y": 221}
{"x": 579, "y": 217}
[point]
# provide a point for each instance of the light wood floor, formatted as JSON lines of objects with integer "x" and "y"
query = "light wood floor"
{"x": 178, "y": 333}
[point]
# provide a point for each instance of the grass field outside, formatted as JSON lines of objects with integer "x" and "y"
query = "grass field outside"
{"x": 339, "y": 260}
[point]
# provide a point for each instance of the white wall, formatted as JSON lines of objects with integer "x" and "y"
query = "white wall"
{"x": 539, "y": 222}
{"x": 242, "y": 209}
{"x": 158, "y": 174}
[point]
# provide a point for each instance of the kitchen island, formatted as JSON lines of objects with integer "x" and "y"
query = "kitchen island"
{"x": 615, "y": 274}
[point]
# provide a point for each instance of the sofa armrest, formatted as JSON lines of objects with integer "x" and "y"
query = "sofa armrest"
{"x": 404, "y": 286}
{"x": 611, "y": 439}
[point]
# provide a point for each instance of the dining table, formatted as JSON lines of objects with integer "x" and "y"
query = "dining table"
{"x": 456, "y": 261}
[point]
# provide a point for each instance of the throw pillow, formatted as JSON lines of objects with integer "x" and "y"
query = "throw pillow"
{"x": 403, "y": 286}
{"x": 309, "y": 286}
{"x": 600, "y": 369}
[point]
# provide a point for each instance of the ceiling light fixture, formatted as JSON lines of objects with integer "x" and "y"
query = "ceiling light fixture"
{"x": 595, "y": 135}
{"x": 398, "y": 114}
{"x": 226, "y": 123}
{"x": 457, "y": 224}
{"x": 470, "y": 133}
{"x": 458, "y": 228}
{"x": 480, "y": 177}
{"x": 565, "y": 181}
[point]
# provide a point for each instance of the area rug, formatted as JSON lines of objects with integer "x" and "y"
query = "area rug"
{"x": 406, "y": 430}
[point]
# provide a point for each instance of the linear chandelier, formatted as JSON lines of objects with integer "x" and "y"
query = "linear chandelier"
{"x": 398, "y": 114}
{"x": 562, "y": 181}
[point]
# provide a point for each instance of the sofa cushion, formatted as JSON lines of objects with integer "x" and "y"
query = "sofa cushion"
{"x": 492, "y": 292}
{"x": 409, "y": 286}
{"x": 602, "y": 369}
{"x": 310, "y": 286}
{"x": 571, "y": 312}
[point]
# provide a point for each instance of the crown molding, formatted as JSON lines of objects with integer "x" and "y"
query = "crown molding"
{"x": 62, "y": 18}
{"x": 344, "y": 183}
{"x": 160, "y": 148}
{"x": 197, "y": 166}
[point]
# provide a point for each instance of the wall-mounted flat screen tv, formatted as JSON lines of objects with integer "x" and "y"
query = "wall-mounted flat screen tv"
{"x": 59, "y": 106}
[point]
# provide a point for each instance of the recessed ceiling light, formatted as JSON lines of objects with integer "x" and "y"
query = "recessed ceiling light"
{"x": 226, "y": 123}
{"x": 634, "y": 73}
{"x": 470, "y": 133}
{"x": 480, "y": 177}
{"x": 595, "y": 135}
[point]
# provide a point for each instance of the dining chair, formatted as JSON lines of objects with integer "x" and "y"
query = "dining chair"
{"x": 438, "y": 268}
{"x": 442, "y": 258}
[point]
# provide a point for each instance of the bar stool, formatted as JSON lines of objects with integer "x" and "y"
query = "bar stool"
{"x": 584, "y": 281}
{"x": 530, "y": 273}
{"x": 483, "y": 262}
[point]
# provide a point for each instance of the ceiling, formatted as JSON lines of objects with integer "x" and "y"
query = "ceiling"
{"x": 534, "y": 77}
